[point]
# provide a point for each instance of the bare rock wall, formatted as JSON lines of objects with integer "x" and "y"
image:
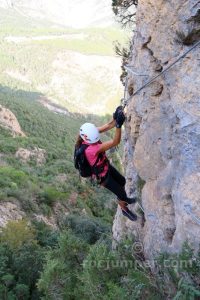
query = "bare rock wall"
{"x": 162, "y": 139}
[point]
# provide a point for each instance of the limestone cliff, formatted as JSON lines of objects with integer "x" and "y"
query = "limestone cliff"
{"x": 162, "y": 139}
{"x": 10, "y": 122}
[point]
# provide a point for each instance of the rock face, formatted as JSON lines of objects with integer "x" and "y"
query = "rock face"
{"x": 162, "y": 139}
{"x": 9, "y": 121}
{"x": 37, "y": 154}
{"x": 8, "y": 212}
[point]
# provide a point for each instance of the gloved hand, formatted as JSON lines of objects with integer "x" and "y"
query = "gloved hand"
{"x": 120, "y": 119}
{"x": 118, "y": 109}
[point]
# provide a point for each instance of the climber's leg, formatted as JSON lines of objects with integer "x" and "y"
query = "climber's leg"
{"x": 117, "y": 176}
{"x": 111, "y": 184}
{"x": 126, "y": 212}
{"x": 120, "y": 179}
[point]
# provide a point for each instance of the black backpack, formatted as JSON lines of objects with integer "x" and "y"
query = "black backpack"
{"x": 80, "y": 161}
{"x": 82, "y": 165}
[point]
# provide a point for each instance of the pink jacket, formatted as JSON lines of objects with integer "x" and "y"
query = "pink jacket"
{"x": 91, "y": 155}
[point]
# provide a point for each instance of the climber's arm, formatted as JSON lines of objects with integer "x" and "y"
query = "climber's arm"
{"x": 107, "y": 126}
{"x": 112, "y": 143}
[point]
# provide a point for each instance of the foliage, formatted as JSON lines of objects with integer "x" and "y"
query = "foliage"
{"x": 37, "y": 187}
{"x": 17, "y": 233}
{"x": 124, "y": 10}
{"x": 76, "y": 260}
{"x": 50, "y": 195}
{"x": 186, "y": 291}
{"x": 88, "y": 229}
{"x": 180, "y": 272}
{"x": 45, "y": 236}
{"x": 20, "y": 267}
{"x": 12, "y": 177}
{"x": 124, "y": 53}
{"x": 191, "y": 37}
{"x": 109, "y": 274}
{"x": 60, "y": 277}
{"x": 22, "y": 292}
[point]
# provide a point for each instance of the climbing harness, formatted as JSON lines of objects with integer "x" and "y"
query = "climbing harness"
{"x": 188, "y": 209}
{"x": 125, "y": 101}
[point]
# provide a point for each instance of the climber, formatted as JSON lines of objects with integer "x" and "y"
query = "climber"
{"x": 105, "y": 174}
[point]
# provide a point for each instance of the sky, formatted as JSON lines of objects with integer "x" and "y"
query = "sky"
{"x": 72, "y": 13}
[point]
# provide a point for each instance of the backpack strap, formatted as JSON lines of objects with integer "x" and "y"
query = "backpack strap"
{"x": 82, "y": 149}
{"x": 78, "y": 151}
{"x": 97, "y": 170}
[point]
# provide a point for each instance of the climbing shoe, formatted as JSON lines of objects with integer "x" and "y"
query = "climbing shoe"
{"x": 131, "y": 200}
{"x": 127, "y": 213}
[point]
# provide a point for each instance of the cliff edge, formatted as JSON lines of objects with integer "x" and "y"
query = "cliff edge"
{"x": 162, "y": 138}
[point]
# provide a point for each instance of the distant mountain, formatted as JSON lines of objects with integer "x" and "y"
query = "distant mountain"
{"x": 72, "y": 13}
{"x": 76, "y": 68}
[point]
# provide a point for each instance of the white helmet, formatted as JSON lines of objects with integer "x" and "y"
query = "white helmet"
{"x": 89, "y": 133}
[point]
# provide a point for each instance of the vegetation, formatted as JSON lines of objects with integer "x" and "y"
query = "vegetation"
{"x": 36, "y": 186}
{"x": 124, "y": 10}
{"x": 21, "y": 263}
{"x": 45, "y": 59}
{"x": 65, "y": 264}
{"x": 97, "y": 272}
{"x": 189, "y": 38}
{"x": 124, "y": 53}
{"x": 73, "y": 258}
{"x": 37, "y": 189}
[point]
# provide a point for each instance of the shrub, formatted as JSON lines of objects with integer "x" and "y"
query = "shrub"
{"x": 181, "y": 272}
{"x": 188, "y": 38}
{"x": 88, "y": 229}
{"x": 50, "y": 195}
{"x": 16, "y": 233}
{"x": 19, "y": 271}
{"x": 22, "y": 292}
{"x": 112, "y": 274}
{"x": 27, "y": 263}
{"x": 12, "y": 177}
{"x": 59, "y": 280}
{"x": 46, "y": 237}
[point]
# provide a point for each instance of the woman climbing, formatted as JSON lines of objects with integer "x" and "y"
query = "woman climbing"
{"x": 94, "y": 151}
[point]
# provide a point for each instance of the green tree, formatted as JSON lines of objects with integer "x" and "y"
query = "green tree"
{"x": 27, "y": 263}
{"x": 16, "y": 233}
{"x": 59, "y": 280}
{"x": 115, "y": 274}
{"x": 22, "y": 292}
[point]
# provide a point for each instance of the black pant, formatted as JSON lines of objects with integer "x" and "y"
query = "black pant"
{"x": 115, "y": 183}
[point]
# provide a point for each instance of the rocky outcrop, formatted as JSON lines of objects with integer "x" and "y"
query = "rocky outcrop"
{"x": 10, "y": 211}
{"x": 162, "y": 141}
{"x": 37, "y": 154}
{"x": 10, "y": 122}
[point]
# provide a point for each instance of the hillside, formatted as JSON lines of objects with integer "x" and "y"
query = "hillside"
{"x": 52, "y": 79}
{"x": 39, "y": 185}
{"x": 38, "y": 56}
{"x": 63, "y": 237}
